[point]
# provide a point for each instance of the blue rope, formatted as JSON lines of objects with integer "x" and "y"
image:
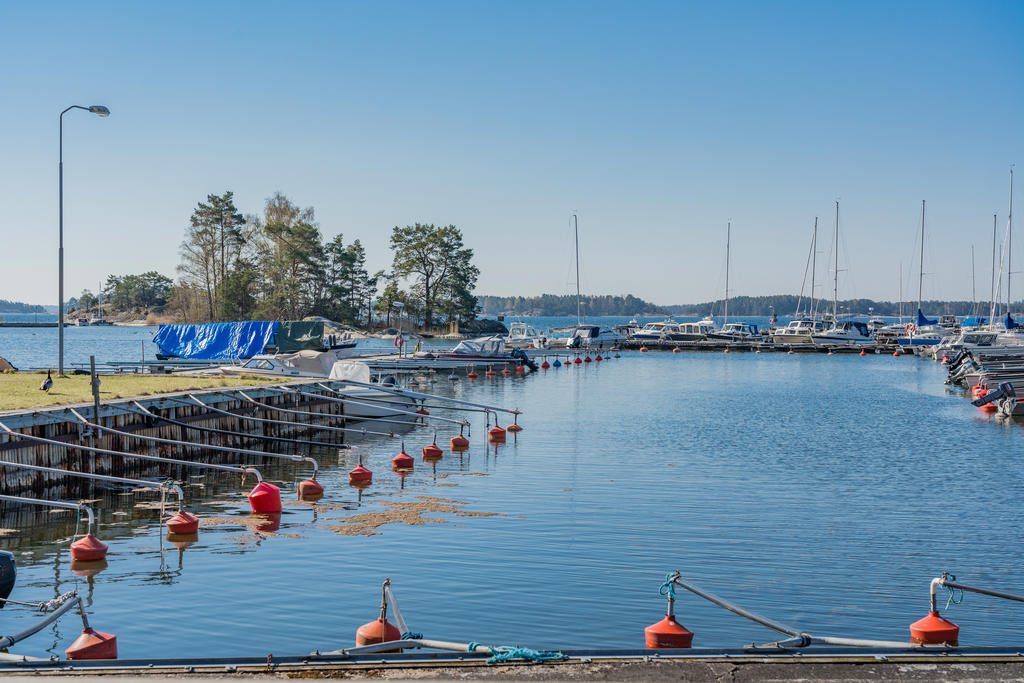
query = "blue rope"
{"x": 507, "y": 654}
{"x": 412, "y": 635}
{"x": 956, "y": 596}
{"x": 669, "y": 587}
{"x": 473, "y": 646}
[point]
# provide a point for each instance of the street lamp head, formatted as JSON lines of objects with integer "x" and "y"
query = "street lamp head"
{"x": 99, "y": 110}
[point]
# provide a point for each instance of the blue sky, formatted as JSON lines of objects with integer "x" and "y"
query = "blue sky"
{"x": 657, "y": 122}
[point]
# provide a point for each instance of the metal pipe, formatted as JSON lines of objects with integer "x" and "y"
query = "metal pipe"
{"x": 747, "y": 614}
{"x": 7, "y": 641}
{"x": 461, "y": 423}
{"x": 155, "y": 458}
{"x": 189, "y": 444}
{"x": 253, "y": 401}
{"x": 54, "y": 504}
{"x": 414, "y": 643}
{"x": 415, "y": 394}
{"x": 227, "y": 432}
{"x": 289, "y": 422}
{"x": 156, "y": 486}
{"x": 972, "y": 589}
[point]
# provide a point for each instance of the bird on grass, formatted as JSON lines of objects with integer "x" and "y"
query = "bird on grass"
{"x": 47, "y": 383}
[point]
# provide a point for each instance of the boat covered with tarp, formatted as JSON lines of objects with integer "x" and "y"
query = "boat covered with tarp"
{"x": 215, "y": 341}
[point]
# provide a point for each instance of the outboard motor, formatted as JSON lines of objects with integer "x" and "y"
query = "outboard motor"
{"x": 574, "y": 343}
{"x": 1005, "y": 390}
{"x": 8, "y": 574}
{"x": 521, "y": 355}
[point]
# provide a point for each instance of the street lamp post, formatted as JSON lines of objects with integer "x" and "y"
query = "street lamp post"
{"x": 99, "y": 110}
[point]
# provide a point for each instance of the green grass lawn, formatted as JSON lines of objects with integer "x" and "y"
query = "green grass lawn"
{"x": 20, "y": 390}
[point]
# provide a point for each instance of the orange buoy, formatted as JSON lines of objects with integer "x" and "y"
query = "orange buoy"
{"x": 265, "y": 497}
{"x": 433, "y": 451}
{"x": 459, "y": 443}
{"x": 183, "y": 523}
{"x": 402, "y": 461}
{"x": 514, "y": 427}
{"x": 88, "y": 549}
{"x": 496, "y": 434}
{"x": 506, "y": 371}
{"x": 472, "y": 374}
{"x": 667, "y": 633}
{"x": 896, "y": 353}
{"x": 675, "y": 349}
{"x": 977, "y": 389}
{"x": 93, "y": 645}
{"x": 490, "y": 373}
{"x": 643, "y": 349}
{"x": 360, "y": 475}
{"x": 934, "y": 630}
{"x": 520, "y": 369}
{"x": 379, "y": 631}
{"x": 862, "y": 353}
{"x": 310, "y": 489}
{"x": 989, "y": 408}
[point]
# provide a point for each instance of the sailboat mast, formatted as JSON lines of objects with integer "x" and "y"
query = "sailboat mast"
{"x": 728, "y": 233}
{"x": 920, "y": 275}
{"x": 814, "y": 264}
{"x": 901, "y": 292}
{"x": 835, "y": 278}
{"x": 974, "y": 294}
{"x": 992, "y": 294}
{"x": 1009, "y": 244}
{"x": 576, "y": 230}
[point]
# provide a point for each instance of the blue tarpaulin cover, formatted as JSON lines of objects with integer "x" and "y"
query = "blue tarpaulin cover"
{"x": 216, "y": 341}
{"x": 1010, "y": 322}
{"x": 922, "y": 321}
{"x": 975, "y": 321}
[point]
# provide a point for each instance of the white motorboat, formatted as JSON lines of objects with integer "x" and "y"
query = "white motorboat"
{"x": 523, "y": 336}
{"x": 655, "y": 331}
{"x": 798, "y": 332}
{"x": 847, "y": 332}
{"x": 737, "y": 332}
{"x": 593, "y": 337}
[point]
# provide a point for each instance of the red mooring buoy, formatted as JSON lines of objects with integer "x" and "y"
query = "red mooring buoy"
{"x": 520, "y": 369}
{"x": 472, "y": 374}
{"x": 490, "y": 373}
{"x": 460, "y": 443}
{"x": 183, "y": 523}
{"x": 265, "y": 498}
{"x": 934, "y": 630}
{"x": 643, "y": 349}
{"x": 598, "y": 357}
{"x": 360, "y": 475}
{"x": 496, "y": 434}
{"x": 402, "y": 461}
{"x": 379, "y": 631}
{"x": 310, "y": 489}
{"x": 667, "y": 633}
{"x": 93, "y": 645}
{"x": 545, "y": 365}
{"x": 88, "y": 549}
{"x": 513, "y": 428}
{"x": 432, "y": 452}
{"x": 675, "y": 349}
{"x": 506, "y": 371}
{"x": 862, "y": 353}
{"x": 588, "y": 359}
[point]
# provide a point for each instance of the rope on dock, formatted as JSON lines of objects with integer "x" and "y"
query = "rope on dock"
{"x": 505, "y": 653}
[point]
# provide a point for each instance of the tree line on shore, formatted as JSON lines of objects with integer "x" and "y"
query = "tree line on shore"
{"x": 565, "y": 305}
{"x": 788, "y": 304}
{"x": 278, "y": 266}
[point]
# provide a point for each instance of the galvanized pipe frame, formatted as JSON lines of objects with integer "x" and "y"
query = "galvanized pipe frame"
{"x": 244, "y": 469}
{"x": 141, "y": 409}
{"x": 798, "y": 638}
{"x": 54, "y": 504}
{"x": 944, "y": 581}
{"x": 344, "y": 418}
{"x": 306, "y": 425}
{"x": 415, "y": 394}
{"x": 149, "y": 485}
{"x": 7, "y": 641}
{"x": 190, "y": 444}
{"x": 348, "y": 401}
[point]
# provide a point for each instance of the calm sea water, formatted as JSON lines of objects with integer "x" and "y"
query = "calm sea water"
{"x": 822, "y": 491}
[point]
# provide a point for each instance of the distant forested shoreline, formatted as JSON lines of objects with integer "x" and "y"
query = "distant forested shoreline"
{"x": 555, "y": 305}
{"x": 18, "y": 307}
{"x": 781, "y": 304}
